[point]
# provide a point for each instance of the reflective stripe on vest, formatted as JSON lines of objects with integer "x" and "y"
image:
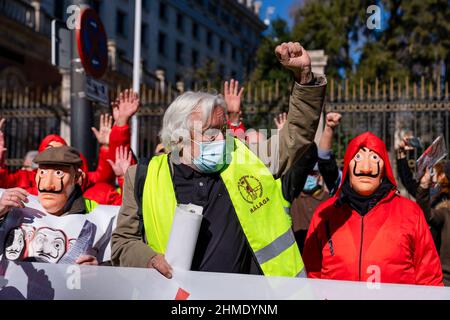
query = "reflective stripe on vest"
{"x": 257, "y": 199}
{"x": 90, "y": 205}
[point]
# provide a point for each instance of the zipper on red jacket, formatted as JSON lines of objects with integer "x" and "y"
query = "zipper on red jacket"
{"x": 361, "y": 247}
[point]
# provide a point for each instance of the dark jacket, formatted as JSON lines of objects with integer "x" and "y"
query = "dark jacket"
{"x": 438, "y": 217}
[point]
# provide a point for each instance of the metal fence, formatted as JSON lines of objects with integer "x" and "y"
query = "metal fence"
{"x": 387, "y": 110}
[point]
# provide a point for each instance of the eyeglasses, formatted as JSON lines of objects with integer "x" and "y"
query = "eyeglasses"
{"x": 212, "y": 134}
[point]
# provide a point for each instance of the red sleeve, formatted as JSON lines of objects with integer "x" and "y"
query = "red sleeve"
{"x": 104, "y": 172}
{"x": 119, "y": 136}
{"x": 8, "y": 179}
{"x": 426, "y": 260}
{"x": 312, "y": 251}
{"x": 237, "y": 131}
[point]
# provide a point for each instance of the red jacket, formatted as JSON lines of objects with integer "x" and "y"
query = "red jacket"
{"x": 20, "y": 179}
{"x": 390, "y": 244}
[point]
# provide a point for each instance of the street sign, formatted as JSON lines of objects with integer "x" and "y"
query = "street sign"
{"x": 97, "y": 91}
{"x": 92, "y": 43}
{"x": 61, "y": 45}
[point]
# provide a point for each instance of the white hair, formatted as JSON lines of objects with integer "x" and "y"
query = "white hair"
{"x": 177, "y": 118}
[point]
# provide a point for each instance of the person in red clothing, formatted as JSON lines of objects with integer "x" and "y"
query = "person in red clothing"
{"x": 367, "y": 231}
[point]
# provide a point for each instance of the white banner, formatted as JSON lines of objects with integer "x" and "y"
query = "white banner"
{"x": 56, "y": 281}
{"x": 30, "y": 234}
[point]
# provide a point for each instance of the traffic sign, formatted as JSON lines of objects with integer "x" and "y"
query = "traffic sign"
{"x": 92, "y": 43}
{"x": 96, "y": 91}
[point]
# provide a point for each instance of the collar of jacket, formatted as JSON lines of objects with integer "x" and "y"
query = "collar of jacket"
{"x": 363, "y": 205}
{"x": 75, "y": 203}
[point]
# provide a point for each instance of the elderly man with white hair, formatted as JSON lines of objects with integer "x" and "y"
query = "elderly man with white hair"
{"x": 245, "y": 227}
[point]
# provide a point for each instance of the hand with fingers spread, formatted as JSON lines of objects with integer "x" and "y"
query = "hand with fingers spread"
{"x": 280, "y": 120}
{"x": 123, "y": 161}
{"x": 125, "y": 107}
{"x": 12, "y": 198}
{"x": 159, "y": 263}
{"x": 233, "y": 97}
{"x": 102, "y": 135}
{"x": 295, "y": 58}
{"x": 87, "y": 260}
{"x": 2, "y": 142}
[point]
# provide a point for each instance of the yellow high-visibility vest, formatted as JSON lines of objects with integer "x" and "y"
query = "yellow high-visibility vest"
{"x": 257, "y": 198}
{"x": 90, "y": 205}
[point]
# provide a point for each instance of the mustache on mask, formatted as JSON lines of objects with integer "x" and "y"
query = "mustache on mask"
{"x": 50, "y": 191}
{"x": 367, "y": 174}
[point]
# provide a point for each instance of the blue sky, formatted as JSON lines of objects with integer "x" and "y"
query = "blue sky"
{"x": 281, "y": 8}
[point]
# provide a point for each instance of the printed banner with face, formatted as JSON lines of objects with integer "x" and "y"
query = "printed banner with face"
{"x": 434, "y": 153}
{"x": 32, "y": 235}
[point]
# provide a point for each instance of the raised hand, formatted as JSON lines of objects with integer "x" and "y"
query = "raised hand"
{"x": 233, "y": 97}
{"x": 102, "y": 135}
{"x": 127, "y": 105}
{"x": 12, "y": 198}
{"x": 123, "y": 161}
{"x": 333, "y": 119}
{"x": 280, "y": 120}
{"x": 2, "y": 141}
{"x": 293, "y": 57}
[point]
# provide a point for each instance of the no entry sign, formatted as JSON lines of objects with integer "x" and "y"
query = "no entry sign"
{"x": 92, "y": 43}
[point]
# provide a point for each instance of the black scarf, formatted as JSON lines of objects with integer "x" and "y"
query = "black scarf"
{"x": 363, "y": 204}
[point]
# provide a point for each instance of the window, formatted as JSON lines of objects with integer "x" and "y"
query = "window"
{"x": 209, "y": 39}
{"x": 144, "y": 35}
{"x": 162, "y": 43}
{"x": 145, "y": 5}
{"x": 179, "y": 53}
{"x": 222, "y": 47}
{"x": 234, "y": 53}
{"x": 121, "y": 23}
{"x": 195, "y": 31}
{"x": 222, "y": 71}
{"x": 163, "y": 11}
{"x": 194, "y": 56}
{"x": 180, "y": 22}
{"x": 58, "y": 10}
{"x": 96, "y": 5}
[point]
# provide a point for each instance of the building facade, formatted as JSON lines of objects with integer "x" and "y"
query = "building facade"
{"x": 181, "y": 39}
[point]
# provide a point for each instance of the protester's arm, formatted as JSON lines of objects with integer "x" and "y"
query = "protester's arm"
{"x": 403, "y": 170}
{"x": 426, "y": 260}
{"x": 127, "y": 247}
{"x": 294, "y": 180}
{"x": 103, "y": 172}
{"x": 233, "y": 98}
{"x": 434, "y": 216}
{"x": 126, "y": 106}
{"x": 305, "y": 106}
{"x": 327, "y": 164}
{"x": 121, "y": 165}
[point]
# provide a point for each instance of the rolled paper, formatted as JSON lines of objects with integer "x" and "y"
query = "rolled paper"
{"x": 183, "y": 236}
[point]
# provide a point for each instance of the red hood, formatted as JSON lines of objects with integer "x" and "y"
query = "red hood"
{"x": 372, "y": 142}
{"x": 50, "y": 138}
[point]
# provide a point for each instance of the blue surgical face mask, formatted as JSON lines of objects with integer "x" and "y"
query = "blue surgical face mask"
{"x": 311, "y": 183}
{"x": 212, "y": 156}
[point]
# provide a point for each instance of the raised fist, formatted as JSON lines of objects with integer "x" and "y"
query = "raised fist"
{"x": 293, "y": 57}
{"x": 333, "y": 119}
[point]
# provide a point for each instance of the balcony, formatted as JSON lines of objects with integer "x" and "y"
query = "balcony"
{"x": 26, "y": 14}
